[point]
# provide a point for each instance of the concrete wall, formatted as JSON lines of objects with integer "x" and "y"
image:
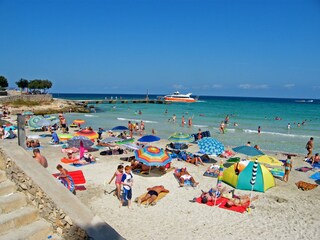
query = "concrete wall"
{"x": 32, "y": 98}
{"x": 67, "y": 214}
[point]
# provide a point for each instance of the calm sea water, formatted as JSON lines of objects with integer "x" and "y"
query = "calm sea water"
{"x": 208, "y": 112}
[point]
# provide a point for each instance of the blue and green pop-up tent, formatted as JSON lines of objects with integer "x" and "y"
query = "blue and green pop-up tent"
{"x": 239, "y": 175}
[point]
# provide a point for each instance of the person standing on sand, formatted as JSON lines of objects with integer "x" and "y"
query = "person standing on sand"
{"x": 126, "y": 182}
{"x": 287, "y": 169}
{"x": 309, "y": 147}
{"x": 39, "y": 158}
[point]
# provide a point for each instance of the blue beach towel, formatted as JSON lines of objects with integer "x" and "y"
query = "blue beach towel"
{"x": 30, "y": 149}
{"x": 315, "y": 176}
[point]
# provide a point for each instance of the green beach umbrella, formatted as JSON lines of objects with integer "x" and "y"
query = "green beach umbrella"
{"x": 180, "y": 137}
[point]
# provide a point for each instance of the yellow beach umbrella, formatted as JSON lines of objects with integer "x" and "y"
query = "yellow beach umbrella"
{"x": 265, "y": 159}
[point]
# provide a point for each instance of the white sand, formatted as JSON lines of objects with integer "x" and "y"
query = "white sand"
{"x": 283, "y": 212}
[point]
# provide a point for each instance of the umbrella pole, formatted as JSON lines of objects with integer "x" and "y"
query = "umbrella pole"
{"x": 149, "y": 170}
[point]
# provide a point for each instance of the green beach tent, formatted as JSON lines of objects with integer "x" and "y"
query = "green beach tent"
{"x": 239, "y": 175}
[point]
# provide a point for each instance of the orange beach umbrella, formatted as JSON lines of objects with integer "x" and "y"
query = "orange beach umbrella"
{"x": 79, "y": 121}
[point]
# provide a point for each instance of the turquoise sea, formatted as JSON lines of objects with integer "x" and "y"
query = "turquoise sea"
{"x": 208, "y": 112}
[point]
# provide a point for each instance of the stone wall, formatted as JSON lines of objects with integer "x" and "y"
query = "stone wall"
{"x": 32, "y": 98}
{"x": 61, "y": 222}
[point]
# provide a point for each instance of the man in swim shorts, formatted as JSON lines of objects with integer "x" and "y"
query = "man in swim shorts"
{"x": 184, "y": 175}
{"x": 309, "y": 147}
{"x": 152, "y": 195}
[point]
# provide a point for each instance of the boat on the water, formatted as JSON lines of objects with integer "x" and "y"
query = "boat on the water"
{"x": 179, "y": 97}
{"x": 304, "y": 101}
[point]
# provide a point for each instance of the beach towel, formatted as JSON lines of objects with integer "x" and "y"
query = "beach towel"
{"x": 210, "y": 174}
{"x": 315, "y": 165}
{"x": 303, "y": 169}
{"x": 221, "y": 202}
{"x": 315, "y": 176}
{"x": 160, "y": 196}
{"x": 304, "y": 186}
{"x": 67, "y": 160}
{"x": 77, "y": 176}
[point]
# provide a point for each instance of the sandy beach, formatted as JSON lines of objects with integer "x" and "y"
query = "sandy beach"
{"x": 282, "y": 212}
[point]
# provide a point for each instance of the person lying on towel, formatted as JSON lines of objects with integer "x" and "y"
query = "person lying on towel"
{"x": 87, "y": 159}
{"x": 240, "y": 201}
{"x": 184, "y": 175}
{"x": 152, "y": 195}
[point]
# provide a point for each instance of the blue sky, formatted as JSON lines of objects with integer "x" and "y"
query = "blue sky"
{"x": 267, "y": 48}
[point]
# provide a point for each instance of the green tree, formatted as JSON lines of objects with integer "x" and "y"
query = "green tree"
{"x": 3, "y": 82}
{"x": 39, "y": 85}
{"x": 22, "y": 83}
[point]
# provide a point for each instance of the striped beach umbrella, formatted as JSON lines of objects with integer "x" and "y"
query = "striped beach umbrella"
{"x": 32, "y": 122}
{"x": 152, "y": 156}
{"x": 210, "y": 146}
{"x": 44, "y": 123}
{"x": 87, "y": 133}
{"x": 180, "y": 137}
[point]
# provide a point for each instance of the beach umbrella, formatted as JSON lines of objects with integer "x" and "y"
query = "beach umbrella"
{"x": 180, "y": 137}
{"x": 87, "y": 133}
{"x": 32, "y": 122}
{"x": 265, "y": 159}
{"x": 77, "y": 140}
{"x": 120, "y": 128}
{"x": 27, "y": 113}
{"x": 79, "y": 121}
{"x": 239, "y": 175}
{"x": 64, "y": 136}
{"x": 111, "y": 140}
{"x": 219, "y": 182}
{"x": 44, "y": 123}
{"x": 210, "y": 146}
{"x": 152, "y": 156}
{"x": 149, "y": 138}
{"x": 247, "y": 150}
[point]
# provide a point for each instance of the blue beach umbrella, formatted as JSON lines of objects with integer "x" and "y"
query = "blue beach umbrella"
{"x": 211, "y": 146}
{"x": 120, "y": 128}
{"x": 149, "y": 138}
{"x": 247, "y": 150}
{"x": 180, "y": 137}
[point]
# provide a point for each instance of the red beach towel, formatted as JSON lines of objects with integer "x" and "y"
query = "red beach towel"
{"x": 77, "y": 176}
{"x": 221, "y": 202}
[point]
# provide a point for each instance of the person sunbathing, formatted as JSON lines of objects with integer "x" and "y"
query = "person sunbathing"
{"x": 212, "y": 194}
{"x": 213, "y": 169}
{"x": 87, "y": 159}
{"x": 184, "y": 175}
{"x": 135, "y": 164}
{"x": 102, "y": 144}
{"x": 152, "y": 195}
{"x": 194, "y": 160}
{"x": 240, "y": 201}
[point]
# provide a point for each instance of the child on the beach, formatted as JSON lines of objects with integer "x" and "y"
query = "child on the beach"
{"x": 118, "y": 176}
{"x": 287, "y": 169}
{"x": 126, "y": 182}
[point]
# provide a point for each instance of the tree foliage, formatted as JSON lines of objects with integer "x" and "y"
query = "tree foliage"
{"x": 22, "y": 83}
{"x": 40, "y": 85}
{"x": 3, "y": 82}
